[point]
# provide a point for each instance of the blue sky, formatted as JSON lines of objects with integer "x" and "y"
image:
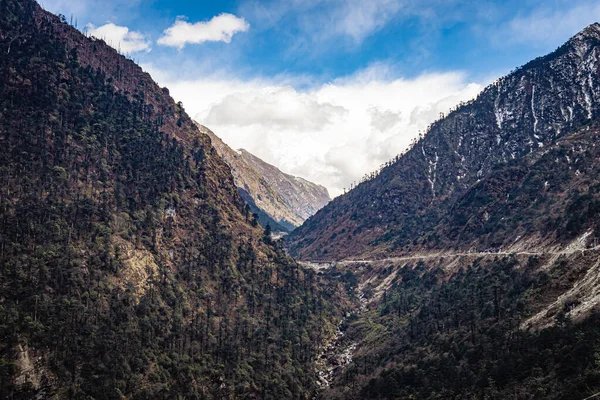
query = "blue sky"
{"x": 327, "y": 89}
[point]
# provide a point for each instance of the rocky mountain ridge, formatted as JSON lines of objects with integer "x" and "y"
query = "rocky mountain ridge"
{"x": 281, "y": 200}
{"x": 411, "y": 204}
{"x": 473, "y": 259}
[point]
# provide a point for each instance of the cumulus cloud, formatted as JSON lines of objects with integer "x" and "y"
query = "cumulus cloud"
{"x": 219, "y": 29}
{"x": 384, "y": 120}
{"x": 275, "y": 107}
{"x": 332, "y": 133}
{"x": 121, "y": 38}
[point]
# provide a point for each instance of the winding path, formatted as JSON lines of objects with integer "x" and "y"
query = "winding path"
{"x": 319, "y": 266}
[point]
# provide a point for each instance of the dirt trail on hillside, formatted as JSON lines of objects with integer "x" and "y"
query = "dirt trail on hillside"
{"x": 586, "y": 290}
{"x": 319, "y": 266}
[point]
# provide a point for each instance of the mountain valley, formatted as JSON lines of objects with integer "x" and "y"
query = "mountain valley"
{"x": 133, "y": 264}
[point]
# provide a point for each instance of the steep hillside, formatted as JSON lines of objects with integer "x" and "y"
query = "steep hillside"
{"x": 509, "y": 321}
{"x": 281, "y": 200}
{"x": 458, "y": 327}
{"x": 129, "y": 266}
{"x": 473, "y": 258}
{"x": 467, "y": 183}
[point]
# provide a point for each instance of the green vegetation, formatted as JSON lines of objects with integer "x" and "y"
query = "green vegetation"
{"x": 434, "y": 337}
{"x": 125, "y": 271}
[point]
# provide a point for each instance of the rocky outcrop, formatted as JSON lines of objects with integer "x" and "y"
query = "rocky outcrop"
{"x": 511, "y": 124}
{"x": 282, "y": 200}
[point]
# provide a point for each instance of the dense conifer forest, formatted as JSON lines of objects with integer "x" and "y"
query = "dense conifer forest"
{"x": 129, "y": 267}
{"x": 432, "y": 335}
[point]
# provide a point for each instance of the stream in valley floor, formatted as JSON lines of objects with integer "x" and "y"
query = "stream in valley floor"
{"x": 337, "y": 355}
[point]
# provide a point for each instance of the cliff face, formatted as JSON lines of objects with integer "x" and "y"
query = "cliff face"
{"x": 128, "y": 266}
{"x": 282, "y": 200}
{"x": 412, "y": 204}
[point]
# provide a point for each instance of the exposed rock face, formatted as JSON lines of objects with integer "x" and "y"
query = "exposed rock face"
{"x": 282, "y": 200}
{"x": 413, "y": 202}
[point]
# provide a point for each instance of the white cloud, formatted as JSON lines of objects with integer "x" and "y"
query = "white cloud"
{"x": 331, "y": 134}
{"x": 276, "y": 107}
{"x": 358, "y": 18}
{"x": 219, "y": 29}
{"x": 121, "y": 38}
{"x": 384, "y": 120}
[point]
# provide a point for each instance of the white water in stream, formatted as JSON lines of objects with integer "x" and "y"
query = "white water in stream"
{"x": 338, "y": 353}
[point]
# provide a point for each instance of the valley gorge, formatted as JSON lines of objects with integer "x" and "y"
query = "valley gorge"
{"x": 132, "y": 266}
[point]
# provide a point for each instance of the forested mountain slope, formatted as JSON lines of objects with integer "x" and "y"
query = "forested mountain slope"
{"x": 129, "y": 267}
{"x": 516, "y": 321}
{"x": 458, "y": 328}
{"x": 280, "y": 200}
{"x": 474, "y": 257}
{"x": 482, "y": 177}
